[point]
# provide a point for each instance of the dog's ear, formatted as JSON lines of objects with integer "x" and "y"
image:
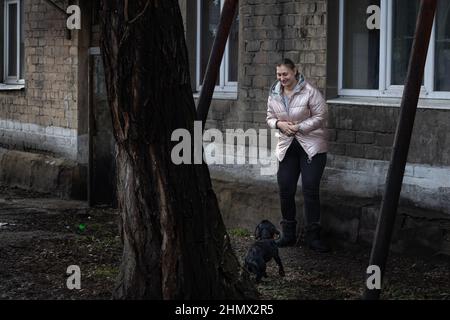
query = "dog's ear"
{"x": 258, "y": 232}
{"x": 274, "y": 229}
{"x": 276, "y": 234}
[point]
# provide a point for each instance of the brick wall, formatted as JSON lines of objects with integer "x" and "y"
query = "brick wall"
{"x": 43, "y": 116}
{"x": 368, "y": 132}
{"x": 270, "y": 30}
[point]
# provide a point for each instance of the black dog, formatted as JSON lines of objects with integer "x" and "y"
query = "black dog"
{"x": 263, "y": 250}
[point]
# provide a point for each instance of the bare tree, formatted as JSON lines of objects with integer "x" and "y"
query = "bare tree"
{"x": 175, "y": 241}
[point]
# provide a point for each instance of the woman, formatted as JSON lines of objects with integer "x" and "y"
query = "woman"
{"x": 299, "y": 111}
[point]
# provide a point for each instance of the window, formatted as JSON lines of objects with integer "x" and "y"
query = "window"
{"x": 13, "y": 42}
{"x": 208, "y": 17}
{"x": 374, "y": 61}
{"x": 442, "y": 47}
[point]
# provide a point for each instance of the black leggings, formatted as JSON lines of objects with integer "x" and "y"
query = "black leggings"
{"x": 296, "y": 162}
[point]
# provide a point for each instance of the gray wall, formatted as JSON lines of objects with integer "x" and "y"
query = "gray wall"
{"x": 368, "y": 132}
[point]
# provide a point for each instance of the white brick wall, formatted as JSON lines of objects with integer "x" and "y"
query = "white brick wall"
{"x": 29, "y": 136}
{"x": 424, "y": 185}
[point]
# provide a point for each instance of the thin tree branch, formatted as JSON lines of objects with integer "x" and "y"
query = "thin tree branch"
{"x": 142, "y": 12}
{"x": 128, "y": 23}
{"x": 125, "y": 10}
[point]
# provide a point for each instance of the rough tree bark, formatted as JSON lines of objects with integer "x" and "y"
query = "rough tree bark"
{"x": 175, "y": 242}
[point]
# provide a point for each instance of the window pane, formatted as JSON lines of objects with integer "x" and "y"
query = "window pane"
{"x": 22, "y": 43}
{"x": 361, "y": 47}
{"x": 210, "y": 12}
{"x": 12, "y": 40}
{"x": 233, "y": 50}
{"x": 404, "y": 25}
{"x": 442, "y": 59}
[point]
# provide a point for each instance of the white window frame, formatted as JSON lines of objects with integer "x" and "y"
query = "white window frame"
{"x": 7, "y": 79}
{"x": 224, "y": 84}
{"x": 385, "y": 88}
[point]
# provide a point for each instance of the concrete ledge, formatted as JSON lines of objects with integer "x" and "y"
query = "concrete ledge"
{"x": 29, "y": 136}
{"x": 423, "y": 185}
{"x": 346, "y": 219}
{"x": 416, "y": 231}
{"x": 245, "y": 205}
{"x": 30, "y": 171}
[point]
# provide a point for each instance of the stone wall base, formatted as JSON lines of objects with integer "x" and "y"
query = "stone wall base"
{"x": 30, "y": 171}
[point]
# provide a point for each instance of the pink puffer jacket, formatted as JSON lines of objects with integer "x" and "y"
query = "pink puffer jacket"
{"x": 308, "y": 109}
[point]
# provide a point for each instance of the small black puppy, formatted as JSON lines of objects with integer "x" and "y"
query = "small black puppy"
{"x": 263, "y": 250}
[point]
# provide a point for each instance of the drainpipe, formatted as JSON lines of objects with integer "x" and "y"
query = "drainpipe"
{"x": 402, "y": 140}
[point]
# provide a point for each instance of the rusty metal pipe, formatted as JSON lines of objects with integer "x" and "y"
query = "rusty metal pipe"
{"x": 54, "y": 5}
{"x": 402, "y": 141}
{"x": 62, "y": 11}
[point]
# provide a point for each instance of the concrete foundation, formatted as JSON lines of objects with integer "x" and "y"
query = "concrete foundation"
{"x": 245, "y": 201}
{"x": 31, "y": 171}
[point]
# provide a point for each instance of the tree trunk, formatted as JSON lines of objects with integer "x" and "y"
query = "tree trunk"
{"x": 175, "y": 242}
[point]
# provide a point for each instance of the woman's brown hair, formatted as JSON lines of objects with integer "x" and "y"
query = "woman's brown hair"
{"x": 290, "y": 64}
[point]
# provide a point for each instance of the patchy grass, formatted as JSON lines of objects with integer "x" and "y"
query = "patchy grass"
{"x": 239, "y": 232}
{"x": 340, "y": 275}
{"x": 106, "y": 271}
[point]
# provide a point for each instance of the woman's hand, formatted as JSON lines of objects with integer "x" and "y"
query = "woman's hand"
{"x": 288, "y": 128}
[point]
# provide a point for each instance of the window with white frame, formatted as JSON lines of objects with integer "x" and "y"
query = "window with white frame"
{"x": 373, "y": 61}
{"x": 13, "y": 42}
{"x": 208, "y": 17}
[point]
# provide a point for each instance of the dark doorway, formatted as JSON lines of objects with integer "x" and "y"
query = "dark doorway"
{"x": 102, "y": 166}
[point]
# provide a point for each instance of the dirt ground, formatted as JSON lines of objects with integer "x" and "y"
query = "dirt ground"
{"x": 41, "y": 236}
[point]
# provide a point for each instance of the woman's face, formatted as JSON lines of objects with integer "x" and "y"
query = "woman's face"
{"x": 286, "y": 76}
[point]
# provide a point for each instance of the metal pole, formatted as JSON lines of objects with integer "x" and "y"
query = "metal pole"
{"x": 226, "y": 20}
{"x": 54, "y": 5}
{"x": 91, "y": 132}
{"x": 61, "y": 10}
{"x": 402, "y": 140}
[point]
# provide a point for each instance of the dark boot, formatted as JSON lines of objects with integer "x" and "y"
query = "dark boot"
{"x": 288, "y": 235}
{"x": 312, "y": 239}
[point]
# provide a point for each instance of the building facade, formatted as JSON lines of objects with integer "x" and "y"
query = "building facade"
{"x": 53, "y": 100}
{"x": 39, "y": 91}
{"x": 43, "y": 90}
{"x": 356, "y": 52}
